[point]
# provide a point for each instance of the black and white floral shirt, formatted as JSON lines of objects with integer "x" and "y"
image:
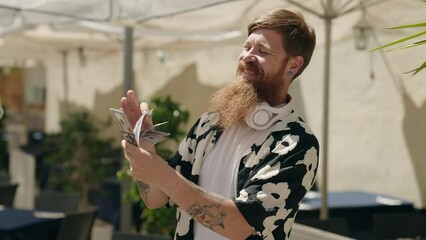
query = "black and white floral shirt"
{"x": 273, "y": 176}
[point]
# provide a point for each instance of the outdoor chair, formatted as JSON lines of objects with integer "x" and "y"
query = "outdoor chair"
{"x": 7, "y": 193}
{"x": 77, "y": 225}
{"x": 4, "y": 178}
{"x": 399, "y": 225}
{"x": 56, "y": 201}
{"x": 135, "y": 236}
{"x": 337, "y": 225}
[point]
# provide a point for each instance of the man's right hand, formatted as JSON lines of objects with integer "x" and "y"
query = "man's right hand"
{"x": 134, "y": 111}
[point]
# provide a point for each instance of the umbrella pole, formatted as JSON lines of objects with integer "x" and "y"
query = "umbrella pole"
{"x": 128, "y": 59}
{"x": 324, "y": 212}
{"x": 65, "y": 79}
{"x": 125, "y": 208}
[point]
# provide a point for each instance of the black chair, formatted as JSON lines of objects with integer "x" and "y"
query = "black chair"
{"x": 77, "y": 225}
{"x": 7, "y": 193}
{"x": 337, "y": 225}
{"x": 135, "y": 236}
{"x": 399, "y": 225}
{"x": 57, "y": 201}
{"x": 4, "y": 177}
{"x": 126, "y": 236}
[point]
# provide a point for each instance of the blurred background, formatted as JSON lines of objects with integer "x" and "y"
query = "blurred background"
{"x": 63, "y": 64}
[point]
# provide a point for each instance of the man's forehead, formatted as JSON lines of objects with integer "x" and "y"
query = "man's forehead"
{"x": 265, "y": 37}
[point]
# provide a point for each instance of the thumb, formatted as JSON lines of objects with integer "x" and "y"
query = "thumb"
{"x": 145, "y": 109}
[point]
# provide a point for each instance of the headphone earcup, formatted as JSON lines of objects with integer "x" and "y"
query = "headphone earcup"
{"x": 260, "y": 118}
{"x": 263, "y": 115}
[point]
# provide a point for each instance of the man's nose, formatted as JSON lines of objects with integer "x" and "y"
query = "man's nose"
{"x": 249, "y": 57}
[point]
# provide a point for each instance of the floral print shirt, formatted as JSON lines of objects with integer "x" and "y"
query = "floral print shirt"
{"x": 273, "y": 176}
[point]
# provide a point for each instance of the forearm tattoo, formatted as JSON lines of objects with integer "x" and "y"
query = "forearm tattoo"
{"x": 143, "y": 189}
{"x": 205, "y": 216}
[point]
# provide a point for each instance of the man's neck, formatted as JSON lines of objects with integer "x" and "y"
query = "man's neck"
{"x": 280, "y": 101}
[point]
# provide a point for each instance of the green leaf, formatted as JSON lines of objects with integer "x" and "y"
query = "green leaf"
{"x": 400, "y": 40}
{"x": 415, "y": 71}
{"x": 414, "y": 25}
{"x": 415, "y": 44}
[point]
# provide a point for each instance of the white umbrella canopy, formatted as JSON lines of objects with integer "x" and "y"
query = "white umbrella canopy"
{"x": 155, "y": 22}
{"x": 176, "y": 23}
{"x": 19, "y": 14}
{"x": 99, "y": 24}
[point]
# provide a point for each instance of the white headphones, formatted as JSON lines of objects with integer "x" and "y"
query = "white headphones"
{"x": 263, "y": 115}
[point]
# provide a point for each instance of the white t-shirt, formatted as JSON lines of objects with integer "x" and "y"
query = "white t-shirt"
{"x": 219, "y": 170}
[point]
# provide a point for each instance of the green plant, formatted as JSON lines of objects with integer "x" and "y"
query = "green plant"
{"x": 160, "y": 221}
{"x": 78, "y": 158}
{"x": 407, "y": 38}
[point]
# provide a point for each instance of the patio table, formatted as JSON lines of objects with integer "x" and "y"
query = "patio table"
{"x": 28, "y": 224}
{"x": 357, "y": 207}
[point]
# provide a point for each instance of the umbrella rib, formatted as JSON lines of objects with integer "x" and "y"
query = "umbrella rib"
{"x": 344, "y": 5}
{"x": 45, "y": 12}
{"x": 249, "y": 7}
{"x": 305, "y": 8}
{"x": 363, "y": 4}
{"x": 144, "y": 19}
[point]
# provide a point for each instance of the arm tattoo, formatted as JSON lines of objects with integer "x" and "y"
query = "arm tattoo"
{"x": 206, "y": 217}
{"x": 143, "y": 189}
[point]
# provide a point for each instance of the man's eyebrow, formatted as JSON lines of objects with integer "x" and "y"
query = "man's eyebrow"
{"x": 257, "y": 44}
{"x": 264, "y": 46}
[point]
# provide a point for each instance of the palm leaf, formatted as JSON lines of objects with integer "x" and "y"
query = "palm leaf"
{"x": 415, "y": 44}
{"x": 415, "y": 71}
{"x": 409, "y": 26}
{"x": 400, "y": 40}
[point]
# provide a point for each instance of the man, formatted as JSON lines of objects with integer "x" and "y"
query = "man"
{"x": 244, "y": 167}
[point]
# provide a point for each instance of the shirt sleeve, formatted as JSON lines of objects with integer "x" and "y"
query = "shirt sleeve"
{"x": 274, "y": 188}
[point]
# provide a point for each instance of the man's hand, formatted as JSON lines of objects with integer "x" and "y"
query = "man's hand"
{"x": 145, "y": 164}
{"x": 146, "y": 167}
{"x": 134, "y": 111}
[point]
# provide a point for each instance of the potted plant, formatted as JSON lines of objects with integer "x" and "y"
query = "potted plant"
{"x": 159, "y": 221}
{"x": 77, "y": 157}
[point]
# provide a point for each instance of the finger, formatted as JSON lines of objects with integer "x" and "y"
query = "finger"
{"x": 124, "y": 103}
{"x": 130, "y": 107}
{"x": 133, "y": 101}
{"x": 127, "y": 149}
{"x": 148, "y": 120}
{"x": 144, "y": 107}
{"x": 130, "y": 102}
{"x": 123, "y": 144}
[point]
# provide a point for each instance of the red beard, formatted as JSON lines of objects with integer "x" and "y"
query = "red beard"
{"x": 238, "y": 98}
{"x": 269, "y": 87}
{"x": 233, "y": 102}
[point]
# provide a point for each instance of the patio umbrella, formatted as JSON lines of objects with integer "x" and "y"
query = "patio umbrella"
{"x": 331, "y": 9}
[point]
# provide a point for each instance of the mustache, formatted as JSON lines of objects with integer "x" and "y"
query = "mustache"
{"x": 249, "y": 66}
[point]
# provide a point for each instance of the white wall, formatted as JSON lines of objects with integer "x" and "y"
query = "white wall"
{"x": 368, "y": 147}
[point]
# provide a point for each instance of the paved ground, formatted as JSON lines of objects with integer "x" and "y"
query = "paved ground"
{"x": 102, "y": 230}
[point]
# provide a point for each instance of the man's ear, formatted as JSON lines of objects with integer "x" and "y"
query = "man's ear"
{"x": 296, "y": 63}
